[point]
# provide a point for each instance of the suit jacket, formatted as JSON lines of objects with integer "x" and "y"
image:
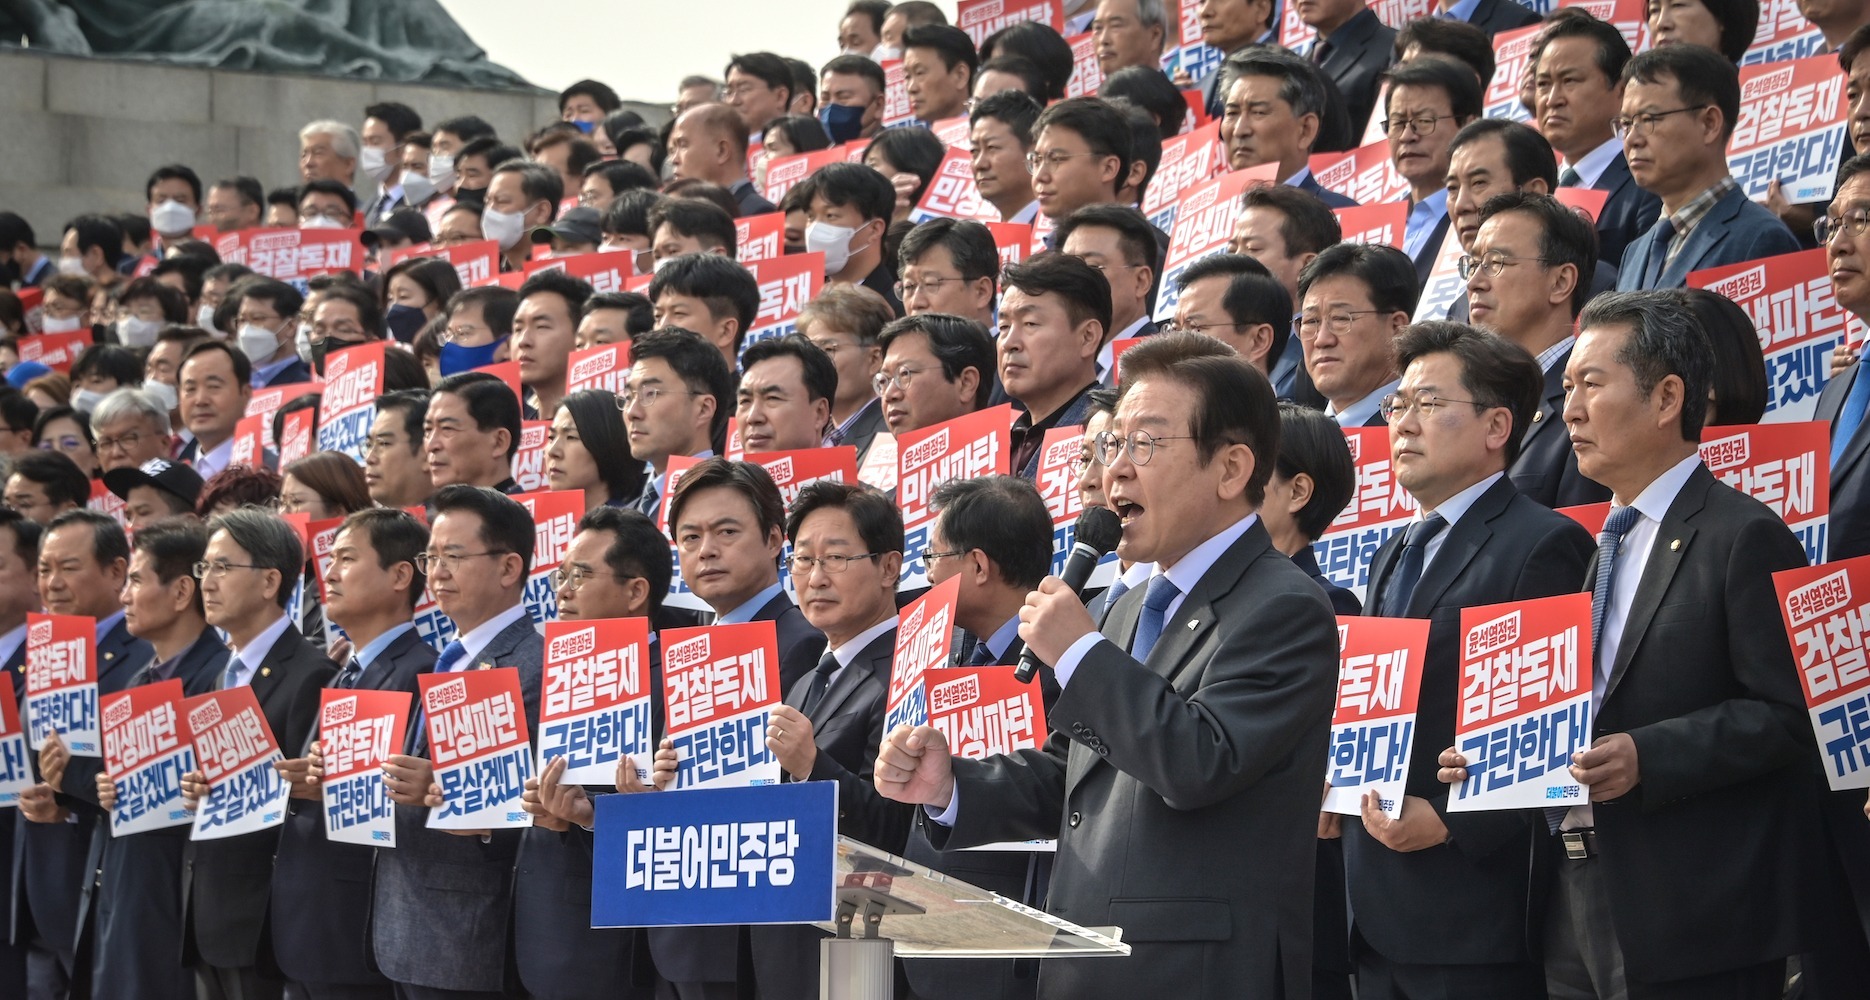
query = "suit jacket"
{"x": 1356, "y": 57}
{"x": 1705, "y": 683}
{"x": 1506, "y": 547}
{"x": 1214, "y": 745}
{"x": 138, "y": 895}
{"x": 1343, "y": 601}
{"x": 440, "y": 903}
{"x": 293, "y": 374}
{"x": 321, "y": 888}
{"x": 1850, "y": 477}
{"x": 750, "y": 200}
{"x": 13, "y": 956}
{"x": 1311, "y": 186}
{"x": 800, "y": 645}
{"x": 847, "y": 727}
{"x": 1547, "y": 469}
{"x": 227, "y": 884}
{"x": 1628, "y": 212}
{"x": 1071, "y": 415}
{"x": 1495, "y": 16}
{"x": 1734, "y": 230}
{"x": 50, "y": 869}
{"x": 1425, "y": 261}
{"x": 868, "y": 425}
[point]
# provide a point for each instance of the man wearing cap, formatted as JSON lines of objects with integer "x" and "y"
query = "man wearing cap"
{"x": 709, "y": 143}
{"x": 401, "y": 228}
{"x": 154, "y": 490}
{"x": 577, "y": 231}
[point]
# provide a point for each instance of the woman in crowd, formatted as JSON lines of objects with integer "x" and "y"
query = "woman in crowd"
{"x": 587, "y": 449}
{"x": 416, "y": 291}
{"x": 68, "y": 432}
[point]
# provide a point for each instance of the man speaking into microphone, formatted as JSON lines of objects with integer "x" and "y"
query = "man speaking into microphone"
{"x": 1182, "y": 777}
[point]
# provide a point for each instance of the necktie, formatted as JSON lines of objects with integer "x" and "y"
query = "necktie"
{"x": 452, "y": 655}
{"x": 148, "y": 675}
{"x": 1849, "y": 418}
{"x": 1618, "y": 524}
{"x": 348, "y": 677}
{"x": 231, "y": 679}
{"x": 982, "y": 655}
{"x": 651, "y": 496}
{"x": 1658, "y": 260}
{"x": 1401, "y": 585}
{"x": 1149, "y": 624}
{"x": 1570, "y": 178}
{"x": 1115, "y": 594}
{"x": 1321, "y": 50}
{"x": 820, "y": 681}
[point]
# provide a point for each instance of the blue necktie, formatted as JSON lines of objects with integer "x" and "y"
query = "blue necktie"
{"x": 1115, "y": 594}
{"x": 647, "y": 504}
{"x": 1618, "y": 524}
{"x": 231, "y": 679}
{"x": 348, "y": 677}
{"x": 1400, "y": 587}
{"x": 1570, "y": 178}
{"x": 1149, "y": 624}
{"x": 1849, "y": 418}
{"x": 983, "y": 656}
{"x": 1658, "y": 261}
{"x": 452, "y": 655}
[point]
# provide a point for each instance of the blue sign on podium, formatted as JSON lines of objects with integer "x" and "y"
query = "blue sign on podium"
{"x": 758, "y": 855}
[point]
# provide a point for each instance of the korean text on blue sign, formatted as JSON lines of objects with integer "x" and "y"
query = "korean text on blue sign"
{"x": 1828, "y": 627}
{"x": 1524, "y": 703}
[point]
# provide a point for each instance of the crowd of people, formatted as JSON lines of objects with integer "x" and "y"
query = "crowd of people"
{"x": 1189, "y": 703}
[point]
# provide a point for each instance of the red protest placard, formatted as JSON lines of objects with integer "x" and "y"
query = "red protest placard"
{"x": 250, "y": 436}
{"x": 529, "y": 457}
{"x": 759, "y": 237}
{"x": 508, "y": 372}
{"x": 55, "y": 350}
{"x": 792, "y": 471}
{"x": 15, "y": 760}
{"x": 1792, "y": 128}
{"x": 895, "y": 97}
{"x": 981, "y": 18}
{"x": 235, "y": 751}
{"x": 353, "y": 381}
{"x": 983, "y": 711}
{"x": 1590, "y": 516}
{"x": 296, "y": 254}
{"x": 594, "y": 706}
{"x": 357, "y": 731}
{"x": 785, "y": 172}
{"x": 1204, "y": 223}
{"x": 720, "y": 684}
{"x": 1379, "y": 224}
{"x": 1188, "y": 160}
{"x": 1379, "y": 508}
{"x": 954, "y": 133}
{"x": 1013, "y": 240}
{"x": 1784, "y": 34}
{"x": 146, "y": 753}
{"x": 61, "y": 681}
{"x": 1445, "y": 283}
{"x": 1117, "y": 349}
{"x": 1794, "y": 309}
{"x": 1185, "y": 50}
{"x": 318, "y": 538}
{"x": 1587, "y": 201}
{"x": 924, "y": 637}
{"x": 476, "y": 263}
{"x": 968, "y": 447}
{"x": 786, "y": 284}
{"x": 1630, "y": 16}
{"x": 1512, "y": 52}
{"x": 951, "y": 193}
{"x": 605, "y": 367}
{"x": 1787, "y": 467}
{"x": 1826, "y": 624}
{"x": 1373, "y": 726}
{"x": 105, "y": 502}
{"x": 555, "y": 516}
{"x": 266, "y": 402}
{"x": 1060, "y": 465}
{"x": 296, "y": 434}
{"x": 478, "y": 741}
{"x": 1086, "y": 74}
{"x": 1525, "y": 703}
{"x": 606, "y": 271}
{"x": 1364, "y": 175}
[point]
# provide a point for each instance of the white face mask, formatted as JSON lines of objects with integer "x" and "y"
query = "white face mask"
{"x": 135, "y": 331}
{"x": 60, "y": 324}
{"x": 832, "y": 241}
{"x": 163, "y": 393}
{"x": 171, "y": 217}
{"x": 258, "y": 343}
{"x": 204, "y": 318}
{"x": 71, "y": 265}
{"x": 319, "y": 222}
{"x": 882, "y": 52}
{"x": 506, "y": 227}
{"x": 416, "y": 188}
{"x": 375, "y": 163}
{"x": 86, "y": 400}
{"x": 302, "y": 342}
{"x": 441, "y": 171}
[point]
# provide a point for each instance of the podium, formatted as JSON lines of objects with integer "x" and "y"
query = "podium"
{"x": 932, "y": 915}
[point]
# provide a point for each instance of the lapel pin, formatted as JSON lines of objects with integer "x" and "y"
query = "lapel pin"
{"x": 110, "y": 656}
{"x": 266, "y": 671}
{"x": 1193, "y": 623}
{"x": 1538, "y": 416}
{"x": 1676, "y": 545}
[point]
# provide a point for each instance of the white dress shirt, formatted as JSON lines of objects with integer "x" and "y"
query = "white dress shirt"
{"x": 247, "y": 658}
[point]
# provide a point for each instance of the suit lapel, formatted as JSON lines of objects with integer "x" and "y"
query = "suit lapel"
{"x": 1549, "y": 413}
{"x": 116, "y": 656}
{"x": 1665, "y": 557}
{"x": 1860, "y": 438}
{"x": 1465, "y": 540}
{"x": 271, "y": 672}
{"x": 860, "y": 669}
{"x": 1380, "y": 567}
{"x": 1707, "y": 234}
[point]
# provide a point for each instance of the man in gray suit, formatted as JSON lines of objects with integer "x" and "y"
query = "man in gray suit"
{"x": 1195, "y": 732}
{"x": 453, "y": 942}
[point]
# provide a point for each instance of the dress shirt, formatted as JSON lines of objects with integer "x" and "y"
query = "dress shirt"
{"x": 1451, "y": 510}
{"x": 1028, "y": 214}
{"x": 367, "y": 656}
{"x": 482, "y": 634}
{"x": 264, "y": 373}
{"x": 847, "y": 652}
{"x": 746, "y": 611}
{"x": 1549, "y": 357}
{"x": 1462, "y": 11}
{"x": 1002, "y": 639}
{"x": 210, "y": 463}
{"x": 247, "y": 658}
{"x": 1360, "y": 412}
{"x": 1592, "y": 165}
{"x": 1424, "y": 216}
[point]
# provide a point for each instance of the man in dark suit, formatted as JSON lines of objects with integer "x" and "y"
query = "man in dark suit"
{"x": 709, "y": 143}
{"x": 1455, "y": 423}
{"x": 1682, "y": 102}
{"x": 247, "y": 573}
{"x": 83, "y": 557}
{"x": 214, "y": 382}
{"x": 1698, "y": 836}
{"x": 847, "y": 544}
{"x": 1531, "y": 251}
{"x": 1353, "y": 49}
{"x": 1211, "y": 739}
{"x": 321, "y": 888}
{"x": 1054, "y": 318}
{"x": 19, "y": 594}
{"x": 1283, "y": 230}
{"x": 266, "y": 326}
{"x": 1429, "y": 102}
{"x": 138, "y": 897}
{"x": 676, "y": 401}
{"x": 1117, "y": 241}
{"x": 1579, "y": 90}
{"x": 1231, "y": 26}
{"x": 1355, "y": 299}
{"x": 1273, "y": 113}
{"x": 1490, "y": 16}
{"x": 452, "y": 943}
{"x": 471, "y": 432}
{"x": 845, "y": 324}
{"x": 995, "y": 535}
{"x": 728, "y": 523}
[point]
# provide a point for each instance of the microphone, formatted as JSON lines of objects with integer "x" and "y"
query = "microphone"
{"x": 1098, "y": 531}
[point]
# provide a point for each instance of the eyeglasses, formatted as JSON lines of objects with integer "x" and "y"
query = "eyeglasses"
{"x": 1202, "y": 328}
{"x": 882, "y": 381}
{"x": 430, "y": 562}
{"x": 293, "y": 505}
{"x": 1139, "y": 445}
{"x": 803, "y": 565}
{"x": 218, "y": 568}
{"x": 909, "y": 289}
{"x": 1053, "y": 160}
{"x": 1854, "y": 225}
{"x": 1424, "y": 124}
{"x": 1337, "y": 323}
{"x": 929, "y": 557}
{"x": 126, "y": 441}
{"x": 569, "y": 578}
{"x": 627, "y": 399}
{"x": 1493, "y": 264}
{"x": 67, "y": 443}
{"x": 1395, "y": 406}
{"x": 1643, "y": 124}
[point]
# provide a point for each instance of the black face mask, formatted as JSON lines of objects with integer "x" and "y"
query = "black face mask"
{"x": 471, "y": 196}
{"x": 320, "y": 348}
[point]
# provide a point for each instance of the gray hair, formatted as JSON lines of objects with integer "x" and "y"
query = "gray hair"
{"x": 270, "y": 542}
{"x": 1149, "y": 14}
{"x": 1300, "y": 86}
{"x": 344, "y": 141}
{"x": 1665, "y": 339}
{"x": 126, "y": 404}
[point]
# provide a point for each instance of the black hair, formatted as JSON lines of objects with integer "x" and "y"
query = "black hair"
{"x": 872, "y": 10}
{"x": 957, "y": 342}
{"x": 624, "y": 138}
{"x": 99, "y": 231}
{"x": 726, "y": 288}
{"x": 1080, "y": 287}
{"x": 338, "y": 189}
{"x": 879, "y": 521}
{"x": 15, "y": 232}
{"x": 1147, "y": 88}
{"x": 767, "y": 68}
{"x": 629, "y": 213}
{"x": 497, "y": 306}
{"x": 116, "y": 362}
{"x": 1017, "y": 111}
{"x": 401, "y": 118}
{"x": 1104, "y": 128}
{"x": 1313, "y": 445}
{"x": 287, "y": 196}
{"x": 26, "y": 532}
{"x": 600, "y": 428}
{"x": 913, "y": 149}
{"x": 854, "y": 65}
{"x": 1005, "y": 518}
{"x": 640, "y": 315}
{"x": 1664, "y": 340}
{"x": 640, "y": 549}
{"x": 856, "y": 186}
{"x": 243, "y": 368}
{"x": 574, "y": 291}
{"x": 1457, "y": 40}
{"x": 505, "y": 524}
{"x": 1253, "y": 295}
{"x": 283, "y": 298}
{"x": 489, "y": 400}
{"x": 108, "y": 542}
{"x": 1702, "y": 77}
{"x": 697, "y": 219}
{"x": 1309, "y": 227}
{"x": 1613, "y": 50}
{"x": 1446, "y": 75}
{"x": 1386, "y": 272}
{"x": 1565, "y": 237}
{"x": 55, "y": 471}
{"x": 1232, "y": 403}
{"x": 466, "y": 128}
{"x": 1134, "y": 235}
{"x": 969, "y": 244}
{"x": 1038, "y": 44}
{"x": 396, "y": 536}
{"x": 803, "y": 131}
{"x": 191, "y": 267}
{"x": 749, "y": 479}
{"x": 1738, "y": 379}
{"x": 1494, "y": 370}
{"x": 1529, "y": 156}
{"x": 413, "y": 404}
{"x": 605, "y": 98}
{"x": 174, "y": 304}
{"x": 537, "y": 182}
{"x": 816, "y": 370}
{"x": 700, "y": 367}
{"x": 173, "y": 172}
{"x": 1031, "y": 77}
{"x": 17, "y": 411}
{"x": 950, "y": 43}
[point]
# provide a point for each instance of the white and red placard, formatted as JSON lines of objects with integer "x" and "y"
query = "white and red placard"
{"x": 107, "y": 503}
{"x": 605, "y": 367}
{"x": 1631, "y": 17}
{"x": 1795, "y": 310}
{"x": 759, "y": 237}
{"x": 250, "y": 436}
{"x": 1204, "y": 224}
{"x": 984, "y": 711}
{"x": 1793, "y": 126}
{"x": 266, "y": 402}
{"x": 924, "y": 641}
{"x": 1060, "y": 466}
{"x": 1512, "y": 56}
{"x": 1086, "y": 74}
{"x": 1379, "y": 508}
{"x": 1445, "y": 283}
{"x": 785, "y": 172}
{"x": 720, "y": 684}
{"x": 604, "y": 272}
{"x": 295, "y": 254}
{"x": 235, "y": 751}
{"x": 555, "y": 515}
{"x": 476, "y": 263}
{"x": 981, "y": 18}
{"x": 952, "y": 194}
{"x": 1188, "y": 161}
{"x": 792, "y": 471}
{"x": 967, "y": 447}
{"x": 594, "y": 706}
{"x": 786, "y": 284}
{"x": 1590, "y": 516}
{"x": 1379, "y": 224}
{"x": 1185, "y": 50}
{"x": 1373, "y": 722}
{"x": 1827, "y": 625}
{"x": 1524, "y": 704}
{"x": 478, "y": 742}
{"x": 1013, "y": 240}
{"x": 15, "y": 760}
{"x": 1787, "y": 467}
{"x": 61, "y": 682}
{"x": 529, "y": 457}
{"x": 296, "y": 433}
{"x": 1784, "y": 34}
{"x": 353, "y": 381}
{"x": 895, "y": 100}
{"x": 357, "y": 731}
{"x": 55, "y": 350}
{"x": 146, "y": 752}
{"x": 1365, "y": 174}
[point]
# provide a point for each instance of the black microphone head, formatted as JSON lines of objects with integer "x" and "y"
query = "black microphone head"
{"x": 1100, "y": 528}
